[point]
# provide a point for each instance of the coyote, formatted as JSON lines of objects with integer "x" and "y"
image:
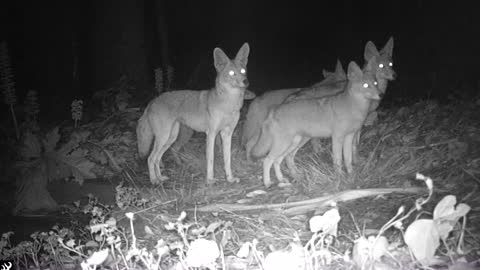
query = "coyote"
{"x": 185, "y": 133}
{"x": 383, "y": 70}
{"x": 332, "y": 77}
{"x": 211, "y": 111}
{"x": 258, "y": 109}
{"x": 338, "y": 74}
{"x": 338, "y": 116}
{"x": 381, "y": 67}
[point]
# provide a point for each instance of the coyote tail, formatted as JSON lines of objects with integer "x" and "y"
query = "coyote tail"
{"x": 249, "y": 125}
{"x": 264, "y": 142}
{"x": 144, "y": 136}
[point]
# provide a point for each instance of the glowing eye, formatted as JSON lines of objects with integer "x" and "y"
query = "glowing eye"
{"x": 375, "y": 83}
{"x": 380, "y": 66}
{"x": 243, "y": 71}
{"x": 390, "y": 64}
{"x": 231, "y": 73}
{"x": 365, "y": 85}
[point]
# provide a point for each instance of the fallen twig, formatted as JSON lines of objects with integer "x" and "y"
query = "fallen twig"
{"x": 295, "y": 208}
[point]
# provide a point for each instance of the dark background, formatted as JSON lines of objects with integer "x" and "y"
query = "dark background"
{"x": 435, "y": 52}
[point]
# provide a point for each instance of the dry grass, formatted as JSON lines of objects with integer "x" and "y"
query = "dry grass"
{"x": 441, "y": 141}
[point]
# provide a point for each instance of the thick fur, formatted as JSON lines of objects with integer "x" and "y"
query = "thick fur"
{"x": 337, "y": 116}
{"x": 144, "y": 137}
{"x": 258, "y": 109}
{"x": 185, "y": 133}
{"x": 211, "y": 111}
{"x": 382, "y": 67}
{"x": 384, "y": 72}
{"x": 337, "y": 75}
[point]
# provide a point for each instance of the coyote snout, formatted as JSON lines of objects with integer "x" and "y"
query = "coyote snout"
{"x": 235, "y": 77}
{"x": 385, "y": 70}
{"x": 394, "y": 75}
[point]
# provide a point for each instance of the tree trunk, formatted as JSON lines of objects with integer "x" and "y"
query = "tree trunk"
{"x": 162, "y": 33}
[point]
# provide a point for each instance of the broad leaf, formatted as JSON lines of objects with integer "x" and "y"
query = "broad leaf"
{"x": 423, "y": 239}
{"x": 327, "y": 223}
{"x": 70, "y": 159}
{"x": 446, "y": 215}
{"x": 284, "y": 260}
{"x": 445, "y": 207}
{"x": 379, "y": 247}
{"x": 201, "y": 253}
{"x": 361, "y": 251}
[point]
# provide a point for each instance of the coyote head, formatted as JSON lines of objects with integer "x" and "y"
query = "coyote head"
{"x": 363, "y": 83}
{"x": 232, "y": 74}
{"x": 338, "y": 74}
{"x": 383, "y": 64}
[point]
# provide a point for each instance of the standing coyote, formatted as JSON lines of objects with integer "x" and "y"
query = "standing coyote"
{"x": 258, "y": 109}
{"x": 211, "y": 111}
{"x": 185, "y": 133}
{"x": 382, "y": 68}
{"x": 338, "y": 116}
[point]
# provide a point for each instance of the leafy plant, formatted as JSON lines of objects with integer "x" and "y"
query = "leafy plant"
{"x": 423, "y": 235}
{"x": 41, "y": 249}
{"x": 32, "y": 109}
{"x": 161, "y": 84}
{"x": 128, "y": 196}
{"x": 43, "y": 161}
{"x": 170, "y": 76}
{"x": 367, "y": 252}
{"x": 8, "y": 84}
{"x": 77, "y": 111}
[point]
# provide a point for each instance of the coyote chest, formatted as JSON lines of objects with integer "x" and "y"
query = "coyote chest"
{"x": 224, "y": 107}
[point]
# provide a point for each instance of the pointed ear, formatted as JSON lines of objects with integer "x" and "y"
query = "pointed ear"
{"x": 370, "y": 51}
{"x": 354, "y": 72}
{"x": 242, "y": 55}
{"x": 326, "y": 73}
{"x": 388, "y": 49}
{"x": 371, "y": 64}
{"x": 220, "y": 59}
{"x": 339, "y": 69}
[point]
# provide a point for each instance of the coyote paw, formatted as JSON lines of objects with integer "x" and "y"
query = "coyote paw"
{"x": 211, "y": 181}
{"x": 295, "y": 173}
{"x": 233, "y": 180}
{"x": 267, "y": 185}
{"x": 159, "y": 180}
{"x": 284, "y": 184}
